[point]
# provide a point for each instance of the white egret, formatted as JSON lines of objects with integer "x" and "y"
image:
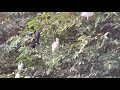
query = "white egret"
{"x": 20, "y": 66}
{"x": 87, "y": 14}
{"x": 55, "y": 45}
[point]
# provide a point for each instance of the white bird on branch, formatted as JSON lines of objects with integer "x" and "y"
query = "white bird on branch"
{"x": 55, "y": 45}
{"x": 20, "y": 67}
{"x": 87, "y": 14}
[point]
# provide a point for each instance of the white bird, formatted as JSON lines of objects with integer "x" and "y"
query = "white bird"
{"x": 20, "y": 66}
{"x": 27, "y": 77}
{"x": 87, "y": 14}
{"x": 17, "y": 75}
{"x": 55, "y": 45}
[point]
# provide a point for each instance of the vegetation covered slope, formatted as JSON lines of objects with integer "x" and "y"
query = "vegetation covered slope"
{"x": 88, "y": 48}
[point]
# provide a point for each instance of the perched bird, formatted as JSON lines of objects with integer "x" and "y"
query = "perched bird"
{"x": 17, "y": 75}
{"x": 20, "y": 67}
{"x": 87, "y": 14}
{"x": 34, "y": 38}
{"x": 37, "y": 36}
{"x": 55, "y": 45}
{"x": 33, "y": 43}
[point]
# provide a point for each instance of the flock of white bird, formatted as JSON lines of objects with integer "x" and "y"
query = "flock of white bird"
{"x": 55, "y": 46}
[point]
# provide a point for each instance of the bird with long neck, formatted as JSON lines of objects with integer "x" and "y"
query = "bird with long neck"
{"x": 55, "y": 45}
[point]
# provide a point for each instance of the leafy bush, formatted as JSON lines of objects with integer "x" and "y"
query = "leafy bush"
{"x": 88, "y": 48}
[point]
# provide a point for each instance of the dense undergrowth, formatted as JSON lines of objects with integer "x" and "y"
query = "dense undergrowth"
{"x": 88, "y": 48}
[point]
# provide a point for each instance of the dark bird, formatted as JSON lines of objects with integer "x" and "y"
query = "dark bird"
{"x": 34, "y": 39}
{"x": 33, "y": 44}
{"x": 37, "y": 36}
